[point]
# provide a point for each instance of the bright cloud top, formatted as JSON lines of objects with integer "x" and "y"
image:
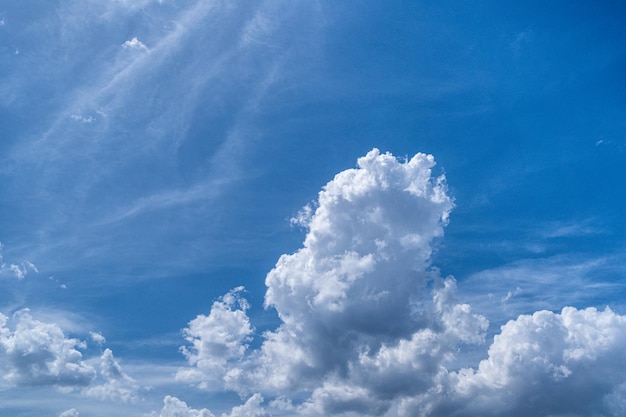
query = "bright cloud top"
{"x": 134, "y": 43}
{"x": 361, "y": 324}
{"x": 369, "y": 328}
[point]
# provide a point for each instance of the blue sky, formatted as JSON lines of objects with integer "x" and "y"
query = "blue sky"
{"x": 227, "y": 208}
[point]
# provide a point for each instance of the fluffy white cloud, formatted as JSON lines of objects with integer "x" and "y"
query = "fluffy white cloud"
{"x": 173, "y": 407}
{"x": 38, "y": 353}
{"x": 134, "y": 43}
{"x": 369, "y": 328}
{"x": 546, "y": 364}
{"x": 251, "y": 408}
{"x": 217, "y": 340}
{"x": 364, "y": 319}
{"x": 359, "y": 282}
{"x": 35, "y": 353}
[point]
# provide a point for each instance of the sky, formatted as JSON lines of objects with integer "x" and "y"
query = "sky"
{"x": 312, "y": 208}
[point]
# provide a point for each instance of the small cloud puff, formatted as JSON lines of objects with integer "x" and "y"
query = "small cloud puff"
{"x": 134, "y": 43}
{"x": 97, "y": 338}
{"x": 217, "y": 340}
{"x": 173, "y": 407}
{"x": 72, "y": 412}
{"x": 18, "y": 270}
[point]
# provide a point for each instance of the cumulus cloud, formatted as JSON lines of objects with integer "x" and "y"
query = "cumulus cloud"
{"x": 134, "y": 43}
{"x": 364, "y": 318}
{"x": 37, "y": 353}
{"x": 369, "y": 327}
{"x": 217, "y": 340}
{"x": 251, "y": 408}
{"x": 173, "y": 407}
{"x": 545, "y": 364}
{"x": 112, "y": 383}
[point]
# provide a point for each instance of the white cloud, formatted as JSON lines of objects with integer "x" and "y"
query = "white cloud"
{"x": 38, "y": 353}
{"x": 34, "y": 353}
{"x": 369, "y": 328}
{"x": 18, "y": 270}
{"x": 97, "y": 338}
{"x": 72, "y": 412}
{"x": 173, "y": 407}
{"x": 134, "y": 43}
{"x": 112, "y": 383}
{"x": 361, "y": 326}
{"x": 217, "y": 340}
{"x": 251, "y": 408}
{"x": 545, "y": 364}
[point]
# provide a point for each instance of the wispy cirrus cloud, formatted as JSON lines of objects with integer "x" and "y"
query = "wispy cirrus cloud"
{"x": 529, "y": 285}
{"x": 113, "y": 138}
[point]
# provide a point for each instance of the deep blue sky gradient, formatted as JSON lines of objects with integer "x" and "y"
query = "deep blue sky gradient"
{"x": 151, "y": 181}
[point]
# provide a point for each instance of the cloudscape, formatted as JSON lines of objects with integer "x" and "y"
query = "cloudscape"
{"x": 311, "y": 208}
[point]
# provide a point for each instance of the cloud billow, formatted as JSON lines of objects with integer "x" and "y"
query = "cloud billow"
{"x": 38, "y": 354}
{"x": 34, "y": 353}
{"x": 369, "y": 327}
{"x": 365, "y": 321}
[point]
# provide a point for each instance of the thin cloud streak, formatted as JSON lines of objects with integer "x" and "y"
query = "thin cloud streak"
{"x": 525, "y": 286}
{"x": 94, "y": 128}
